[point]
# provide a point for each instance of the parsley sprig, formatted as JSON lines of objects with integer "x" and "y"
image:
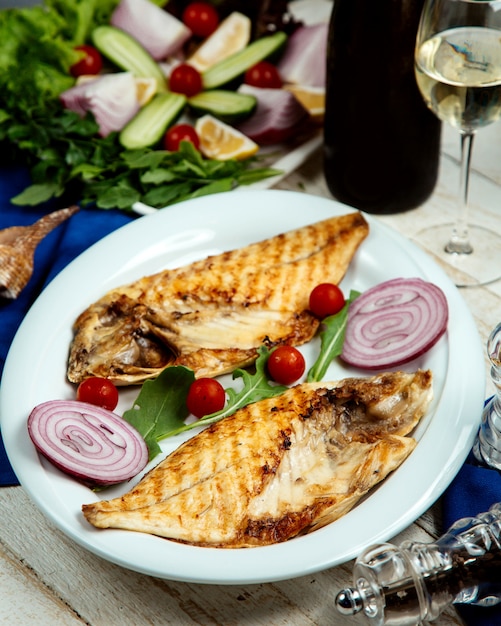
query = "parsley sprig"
{"x": 67, "y": 157}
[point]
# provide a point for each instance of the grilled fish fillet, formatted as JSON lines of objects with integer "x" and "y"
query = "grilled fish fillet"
{"x": 213, "y": 315}
{"x": 279, "y": 467}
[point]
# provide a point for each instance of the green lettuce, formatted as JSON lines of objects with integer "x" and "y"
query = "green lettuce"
{"x": 38, "y": 49}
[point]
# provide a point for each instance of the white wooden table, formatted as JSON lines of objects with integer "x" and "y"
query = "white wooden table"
{"x": 46, "y": 579}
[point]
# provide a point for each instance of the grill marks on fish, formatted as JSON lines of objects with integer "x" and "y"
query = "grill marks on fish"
{"x": 213, "y": 315}
{"x": 277, "y": 468}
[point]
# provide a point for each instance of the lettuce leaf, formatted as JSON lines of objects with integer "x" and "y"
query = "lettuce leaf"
{"x": 38, "y": 48}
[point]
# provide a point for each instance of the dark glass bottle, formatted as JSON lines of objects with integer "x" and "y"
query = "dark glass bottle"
{"x": 381, "y": 147}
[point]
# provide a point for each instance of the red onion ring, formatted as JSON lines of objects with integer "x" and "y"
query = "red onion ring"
{"x": 277, "y": 117}
{"x": 87, "y": 441}
{"x": 394, "y": 322}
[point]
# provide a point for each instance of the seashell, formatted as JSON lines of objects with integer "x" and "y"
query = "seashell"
{"x": 17, "y": 250}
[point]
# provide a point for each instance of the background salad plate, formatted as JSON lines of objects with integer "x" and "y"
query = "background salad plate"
{"x": 36, "y": 366}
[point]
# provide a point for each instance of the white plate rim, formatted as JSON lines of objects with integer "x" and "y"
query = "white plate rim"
{"x": 441, "y": 450}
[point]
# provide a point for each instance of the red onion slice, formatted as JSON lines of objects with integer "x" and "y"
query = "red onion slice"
{"x": 278, "y": 115}
{"x": 303, "y": 61}
{"x": 394, "y": 322}
{"x": 159, "y": 32}
{"x": 112, "y": 98}
{"x": 88, "y": 442}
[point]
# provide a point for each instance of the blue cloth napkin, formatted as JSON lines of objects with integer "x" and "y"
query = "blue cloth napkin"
{"x": 60, "y": 247}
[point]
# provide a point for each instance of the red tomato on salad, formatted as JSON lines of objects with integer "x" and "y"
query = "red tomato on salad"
{"x": 201, "y": 18}
{"x": 99, "y": 392}
{"x": 178, "y": 133}
{"x": 185, "y": 79}
{"x": 264, "y": 75}
{"x": 286, "y": 365}
{"x": 91, "y": 63}
{"x": 326, "y": 299}
{"x": 205, "y": 396}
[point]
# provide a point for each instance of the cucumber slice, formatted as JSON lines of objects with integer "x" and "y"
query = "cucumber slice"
{"x": 149, "y": 125}
{"x": 128, "y": 54}
{"x": 236, "y": 64}
{"x": 228, "y": 106}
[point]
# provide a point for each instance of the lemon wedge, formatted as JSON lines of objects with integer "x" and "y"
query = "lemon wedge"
{"x": 85, "y": 78}
{"x": 231, "y": 36}
{"x": 145, "y": 89}
{"x": 221, "y": 141}
{"x": 312, "y": 98}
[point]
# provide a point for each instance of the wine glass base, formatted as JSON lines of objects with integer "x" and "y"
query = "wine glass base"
{"x": 479, "y": 266}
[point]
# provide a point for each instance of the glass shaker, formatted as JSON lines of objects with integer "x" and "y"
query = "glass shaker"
{"x": 487, "y": 448}
{"x": 404, "y": 585}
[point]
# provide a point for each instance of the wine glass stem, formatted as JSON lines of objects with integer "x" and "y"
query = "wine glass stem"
{"x": 459, "y": 242}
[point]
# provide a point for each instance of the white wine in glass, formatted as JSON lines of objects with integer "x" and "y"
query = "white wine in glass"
{"x": 458, "y": 71}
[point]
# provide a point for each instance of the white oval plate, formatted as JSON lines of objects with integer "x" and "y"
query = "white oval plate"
{"x": 36, "y": 367}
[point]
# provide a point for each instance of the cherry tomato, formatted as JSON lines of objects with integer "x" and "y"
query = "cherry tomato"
{"x": 205, "y": 396}
{"x": 91, "y": 63}
{"x": 286, "y": 365}
{"x": 98, "y": 391}
{"x": 264, "y": 75}
{"x": 178, "y": 133}
{"x": 326, "y": 299}
{"x": 185, "y": 79}
{"x": 201, "y": 18}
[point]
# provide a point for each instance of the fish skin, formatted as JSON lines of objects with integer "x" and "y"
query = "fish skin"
{"x": 277, "y": 468}
{"x": 214, "y": 314}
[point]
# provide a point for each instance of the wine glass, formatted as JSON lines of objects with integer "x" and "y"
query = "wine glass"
{"x": 458, "y": 71}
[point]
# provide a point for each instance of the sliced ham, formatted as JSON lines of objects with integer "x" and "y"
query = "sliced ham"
{"x": 112, "y": 98}
{"x": 159, "y": 32}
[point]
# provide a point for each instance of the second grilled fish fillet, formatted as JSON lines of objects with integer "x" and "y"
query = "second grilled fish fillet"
{"x": 213, "y": 315}
{"x": 279, "y": 467}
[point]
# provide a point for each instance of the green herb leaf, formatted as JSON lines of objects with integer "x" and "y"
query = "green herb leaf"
{"x": 259, "y": 173}
{"x": 160, "y": 408}
{"x": 35, "y": 194}
{"x": 167, "y": 194}
{"x": 216, "y": 186}
{"x": 332, "y": 339}
{"x": 119, "y": 196}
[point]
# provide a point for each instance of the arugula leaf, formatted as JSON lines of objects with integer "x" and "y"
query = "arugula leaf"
{"x": 331, "y": 340}
{"x": 160, "y": 410}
